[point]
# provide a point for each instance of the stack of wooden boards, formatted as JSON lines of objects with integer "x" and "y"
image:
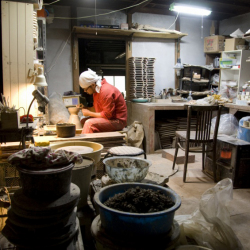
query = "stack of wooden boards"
{"x": 141, "y": 77}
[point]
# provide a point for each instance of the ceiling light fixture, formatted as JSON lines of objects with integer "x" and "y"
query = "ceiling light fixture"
{"x": 192, "y": 10}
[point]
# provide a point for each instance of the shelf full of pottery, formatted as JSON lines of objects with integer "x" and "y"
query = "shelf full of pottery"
{"x": 235, "y": 71}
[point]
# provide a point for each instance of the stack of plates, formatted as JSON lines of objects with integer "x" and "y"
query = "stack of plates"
{"x": 182, "y": 124}
{"x": 166, "y": 129}
{"x": 142, "y": 81}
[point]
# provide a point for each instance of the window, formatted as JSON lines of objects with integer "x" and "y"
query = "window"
{"x": 118, "y": 82}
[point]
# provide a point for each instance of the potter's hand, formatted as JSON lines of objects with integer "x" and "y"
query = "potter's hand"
{"x": 86, "y": 112}
{"x": 80, "y": 106}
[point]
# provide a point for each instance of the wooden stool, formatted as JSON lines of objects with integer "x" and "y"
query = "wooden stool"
{"x": 125, "y": 151}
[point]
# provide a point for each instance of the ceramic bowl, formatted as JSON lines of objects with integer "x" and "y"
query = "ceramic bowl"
{"x": 126, "y": 169}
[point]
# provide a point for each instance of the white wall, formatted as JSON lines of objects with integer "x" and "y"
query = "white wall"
{"x": 161, "y": 49}
{"x": 59, "y": 69}
{"x": 228, "y": 26}
{"x": 60, "y": 77}
{"x": 110, "y": 19}
{"x": 192, "y": 45}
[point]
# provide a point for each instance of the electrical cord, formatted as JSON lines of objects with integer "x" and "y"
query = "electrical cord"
{"x": 80, "y": 18}
{"x": 60, "y": 53}
{"x": 103, "y": 14}
{"x": 175, "y": 171}
{"x": 174, "y": 21}
{"x": 52, "y": 2}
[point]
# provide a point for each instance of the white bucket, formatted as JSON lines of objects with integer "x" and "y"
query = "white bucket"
{"x": 81, "y": 176}
{"x": 95, "y": 155}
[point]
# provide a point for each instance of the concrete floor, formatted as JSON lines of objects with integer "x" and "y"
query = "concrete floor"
{"x": 197, "y": 183}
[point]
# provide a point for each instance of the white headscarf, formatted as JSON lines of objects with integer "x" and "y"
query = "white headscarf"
{"x": 89, "y": 77}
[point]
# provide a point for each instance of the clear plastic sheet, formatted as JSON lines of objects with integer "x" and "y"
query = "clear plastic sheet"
{"x": 228, "y": 125}
{"x": 57, "y": 111}
{"x": 209, "y": 224}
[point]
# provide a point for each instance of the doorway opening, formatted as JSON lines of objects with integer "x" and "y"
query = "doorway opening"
{"x": 107, "y": 58}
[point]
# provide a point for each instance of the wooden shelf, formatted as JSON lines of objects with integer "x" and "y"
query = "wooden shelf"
{"x": 128, "y": 33}
{"x": 230, "y": 69}
{"x": 214, "y": 52}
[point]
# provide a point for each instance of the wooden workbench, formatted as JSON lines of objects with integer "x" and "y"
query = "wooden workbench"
{"x": 107, "y": 139}
{"x": 145, "y": 113}
{"x": 233, "y": 108}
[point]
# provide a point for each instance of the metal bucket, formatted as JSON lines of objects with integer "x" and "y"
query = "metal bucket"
{"x": 81, "y": 176}
{"x": 45, "y": 183}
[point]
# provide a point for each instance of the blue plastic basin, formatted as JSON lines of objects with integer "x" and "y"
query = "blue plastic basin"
{"x": 125, "y": 224}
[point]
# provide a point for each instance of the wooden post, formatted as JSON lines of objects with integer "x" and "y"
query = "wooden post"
{"x": 177, "y": 51}
{"x": 75, "y": 52}
{"x": 128, "y": 55}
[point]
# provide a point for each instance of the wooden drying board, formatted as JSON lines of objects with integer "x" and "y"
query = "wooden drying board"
{"x": 94, "y": 137}
{"x": 127, "y": 33}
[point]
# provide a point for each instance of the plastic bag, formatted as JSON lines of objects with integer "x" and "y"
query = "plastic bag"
{"x": 57, "y": 111}
{"x": 228, "y": 125}
{"x": 209, "y": 224}
{"x": 135, "y": 134}
{"x": 223, "y": 90}
{"x": 206, "y": 101}
{"x": 215, "y": 79}
{"x": 232, "y": 93}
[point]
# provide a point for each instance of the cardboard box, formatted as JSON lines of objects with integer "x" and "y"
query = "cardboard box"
{"x": 124, "y": 26}
{"x": 196, "y": 76}
{"x": 213, "y": 44}
{"x": 231, "y": 43}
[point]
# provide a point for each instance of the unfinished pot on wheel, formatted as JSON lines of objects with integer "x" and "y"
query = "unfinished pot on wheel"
{"x": 139, "y": 225}
{"x": 66, "y": 130}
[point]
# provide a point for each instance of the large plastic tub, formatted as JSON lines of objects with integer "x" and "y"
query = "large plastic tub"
{"x": 135, "y": 225}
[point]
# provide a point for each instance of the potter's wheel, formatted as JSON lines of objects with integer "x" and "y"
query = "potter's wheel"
{"x": 105, "y": 240}
{"x": 77, "y": 149}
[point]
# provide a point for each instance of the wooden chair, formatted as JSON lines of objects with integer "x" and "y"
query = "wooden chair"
{"x": 199, "y": 135}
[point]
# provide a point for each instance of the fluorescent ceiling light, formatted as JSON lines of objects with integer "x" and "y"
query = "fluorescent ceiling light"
{"x": 192, "y": 10}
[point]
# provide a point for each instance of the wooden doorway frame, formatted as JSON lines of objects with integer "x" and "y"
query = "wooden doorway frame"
{"x": 75, "y": 57}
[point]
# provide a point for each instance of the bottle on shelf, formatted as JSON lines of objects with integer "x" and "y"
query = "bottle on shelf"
{"x": 243, "y": 94}
{"x": 190, "y": 98}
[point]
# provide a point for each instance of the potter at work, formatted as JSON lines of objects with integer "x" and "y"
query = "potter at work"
{"x": 110, "y": 107}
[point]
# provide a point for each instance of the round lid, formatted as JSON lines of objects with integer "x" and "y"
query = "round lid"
{"x": 77, "y": 149}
